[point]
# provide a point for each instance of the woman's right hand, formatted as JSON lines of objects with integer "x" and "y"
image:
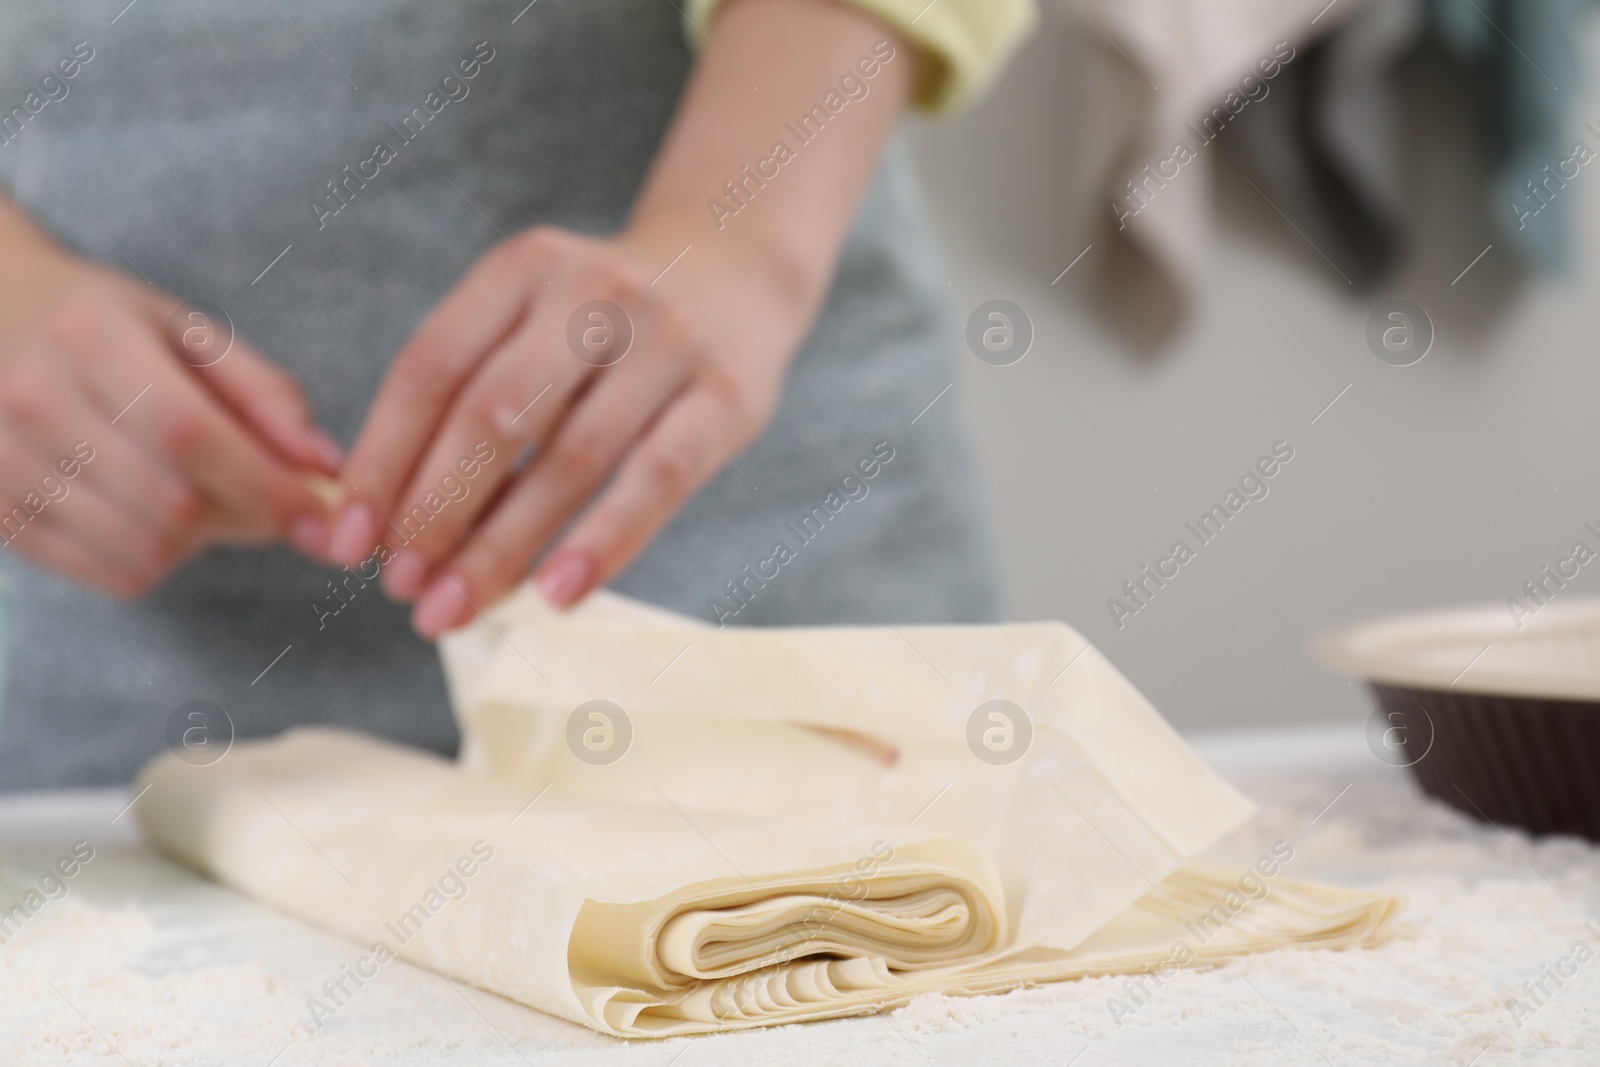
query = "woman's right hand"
{"x": 123, "y": 448}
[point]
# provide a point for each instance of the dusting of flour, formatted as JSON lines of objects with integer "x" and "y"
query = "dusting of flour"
{"x": 1488, "y": 913}
{"x": 78, "y": 962}
{"x": 169, "y": 970}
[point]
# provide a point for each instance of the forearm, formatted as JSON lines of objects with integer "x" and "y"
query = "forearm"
{"x": 794, "y": 173}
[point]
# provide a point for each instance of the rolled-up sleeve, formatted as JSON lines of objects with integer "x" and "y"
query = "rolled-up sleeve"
{"x": 962, "y": 44}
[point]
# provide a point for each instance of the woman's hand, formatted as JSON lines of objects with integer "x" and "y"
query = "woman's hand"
{"x": 123, "y": 447}
{"x": 716, "y": 301}
{"x": 635, "y": 381}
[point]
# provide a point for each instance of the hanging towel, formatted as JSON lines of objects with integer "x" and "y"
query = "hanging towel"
{"x": 1530, "y": 51}
{"x": 1196, "y": 69}
{"x": 1327, "y": 149}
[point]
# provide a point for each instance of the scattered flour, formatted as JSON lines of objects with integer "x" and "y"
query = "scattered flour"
{"x": 77, "y": 958}
{"x": 170, "y": 970}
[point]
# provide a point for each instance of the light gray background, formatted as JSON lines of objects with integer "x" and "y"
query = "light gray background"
{"x": 1401, "y": 497}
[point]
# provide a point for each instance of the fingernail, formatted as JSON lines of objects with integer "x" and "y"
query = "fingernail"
{"x": 329, "y": 449}
{"x": 352, "y": 534}
{"x": 565, "y": 577}
{"x": 442, "y": 607}
{"x": 309, "y": 534}
{"x": 185, "y": 503}
{"x": 402, "y": 578}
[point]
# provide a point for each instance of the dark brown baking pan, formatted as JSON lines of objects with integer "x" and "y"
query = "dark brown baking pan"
{"x": 1496, "y": 713}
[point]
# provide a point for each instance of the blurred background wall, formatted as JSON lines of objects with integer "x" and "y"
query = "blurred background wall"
{"x": 1450, "y": 481}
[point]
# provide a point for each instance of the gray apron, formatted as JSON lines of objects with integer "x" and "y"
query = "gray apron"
{"x": 192, "y": 146}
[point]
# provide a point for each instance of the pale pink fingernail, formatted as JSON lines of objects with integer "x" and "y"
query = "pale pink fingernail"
{"x": 442, "y": 607}
{"x": 402, "y": 578}
{"x": 352, "y": 535}
{"x": 565, "y": 577}
{"x": 309, "y": 533}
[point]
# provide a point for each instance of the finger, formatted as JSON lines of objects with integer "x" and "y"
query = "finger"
{"x": 673, "y": 459}
{"x": 538, "y": 362}
{"x": 37, "y": 500}
{"x": 141, "y": 483}
{"x": 579, "y": 458}
{"x": 273, "y": 404}
{"x": 460, "y": 333}
{"x": 31, "y": 482}
{"x": 693, "y": 438}
{"x": 264, "y": 396}
{"x": 70, "y": 438}
{"x": 126, "y": 545}
{"x": 63, "y": 553}
{"x": 308, "y": 533}
{"x": 134, "y": 380}
{"x": 482, "y": 420}
{"x": 489, "y": 420}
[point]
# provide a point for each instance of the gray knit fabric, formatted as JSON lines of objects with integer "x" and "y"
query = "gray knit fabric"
{"x": 191, "y": 147}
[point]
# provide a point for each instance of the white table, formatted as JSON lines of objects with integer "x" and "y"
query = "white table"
{"x": 143, "y": 963}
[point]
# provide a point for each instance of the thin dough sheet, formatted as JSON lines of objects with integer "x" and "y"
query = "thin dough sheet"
{"x": 763, "y": 826}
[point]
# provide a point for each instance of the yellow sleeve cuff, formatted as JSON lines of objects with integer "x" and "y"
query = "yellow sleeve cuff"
{"x": 963, "y": 44}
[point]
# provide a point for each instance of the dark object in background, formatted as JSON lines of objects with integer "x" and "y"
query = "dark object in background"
{"x": 1529, "y": 56}
{"x": 1328, "y": 146}
{"x": 1332, "y": 149}
{"x": 1496, "y": 712}
{"x": 1521, "y": 761}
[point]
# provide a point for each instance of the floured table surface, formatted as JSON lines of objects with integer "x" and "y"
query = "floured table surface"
{"x": 140, "y": 962}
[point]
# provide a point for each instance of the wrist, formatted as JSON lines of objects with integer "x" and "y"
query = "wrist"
{"x": 786, "y": 261}
{"x": 24, "y": 247}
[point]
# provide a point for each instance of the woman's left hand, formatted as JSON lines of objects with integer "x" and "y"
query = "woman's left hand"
{"x": 634, "y": 368}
